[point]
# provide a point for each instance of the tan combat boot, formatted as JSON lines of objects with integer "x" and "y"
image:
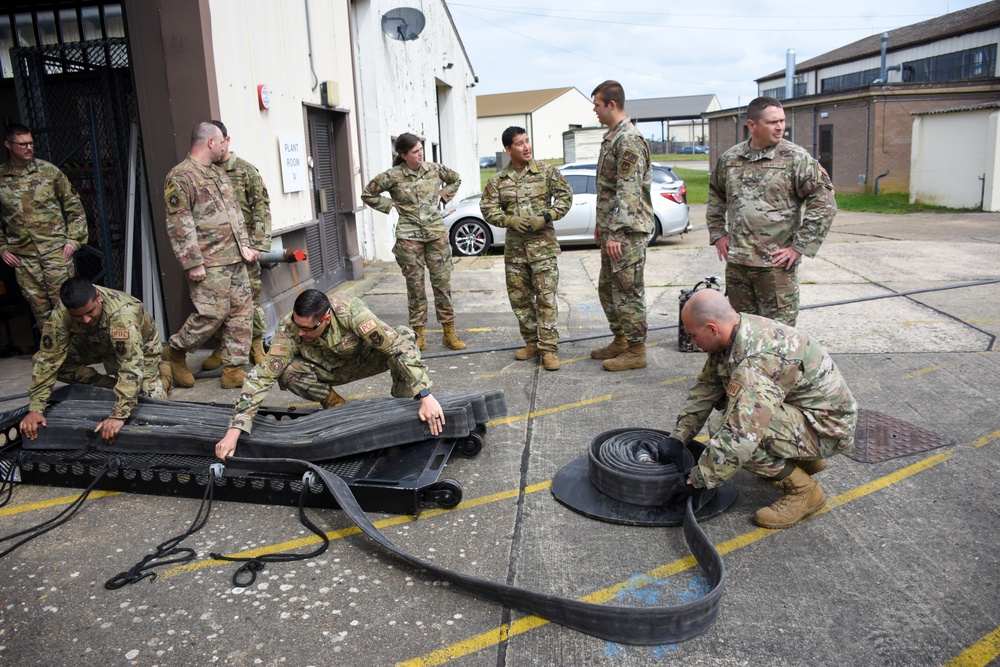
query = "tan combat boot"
{"x": 257, "y": 353}
{"x": 178, "y": 366}
{"x": 550, "y": 361}
{"x": 812, "y": 467}
{"x": 616, "y": 347}
{"x": 632, "y": 358}
{"x": 450, "y": 339}
{"x": 333, "y": 399}
{"x": 233, "y": 377}
{"x": 166, "y": 376}
{"x": 104, "y": 381}
{"x": 214, "y": 360}
{"x": 421, "y": 338}
{"x": 526, "y": 352}
{"x": 803, "y": 496}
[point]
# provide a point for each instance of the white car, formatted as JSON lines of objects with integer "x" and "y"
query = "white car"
{"x": 471, "y": 235}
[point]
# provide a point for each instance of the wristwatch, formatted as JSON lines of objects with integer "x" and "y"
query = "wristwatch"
{"x": 547, "y": 216}
{"x": 423, "y": 393}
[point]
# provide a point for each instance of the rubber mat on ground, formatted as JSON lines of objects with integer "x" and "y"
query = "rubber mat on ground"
{"x": 880, "y": 438}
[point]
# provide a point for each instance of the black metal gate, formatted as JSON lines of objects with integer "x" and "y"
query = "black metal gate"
{"x": 79, "y": 101}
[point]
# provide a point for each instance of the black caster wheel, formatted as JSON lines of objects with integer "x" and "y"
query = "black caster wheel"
{"x": 447, "y": 493}
{"x": 470, "y": 445}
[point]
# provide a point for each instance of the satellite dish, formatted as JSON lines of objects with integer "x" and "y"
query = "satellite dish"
{"x": 403, "y": 23}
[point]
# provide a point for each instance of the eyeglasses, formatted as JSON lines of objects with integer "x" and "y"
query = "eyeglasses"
{"x": 318, "y": 324}
{"x": 22, "y": 144}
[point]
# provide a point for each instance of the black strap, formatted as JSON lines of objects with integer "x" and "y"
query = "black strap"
{"x": 246, "y": 574}
{"x": 143, "y": 569}
{"x": 626, "y": 625}
{"x": 37, "y": 531}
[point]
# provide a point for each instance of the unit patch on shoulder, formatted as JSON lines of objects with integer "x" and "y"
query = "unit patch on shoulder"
{"x": 628, "y": 160}
{"x": 376, "y": 338}
{"x": 47, "y": 342}
{"x": 367, "y": 325}
{"x": 120, "y": 348}
{"x": 119, "y": 333}
{"x": 173, "y": 198}
{"x": 276, "y": 364}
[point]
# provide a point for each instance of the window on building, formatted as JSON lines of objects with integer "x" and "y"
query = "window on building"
{"x": 976, "y": 63}
{"x": 851, "y": 81}
{"x": 799, "y": 89}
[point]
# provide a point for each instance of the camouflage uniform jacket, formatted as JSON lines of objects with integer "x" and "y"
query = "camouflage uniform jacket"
{"x": 763, "y": 192}
{"x": 767, "y": 364}
{"x": 417, "y": 194}
{"x": 351, "y": 327}
{"x": 39, "y": 210}
{"x": 624, "y": 177}
{"x": 255, "y": 203}
{"x": 540, "y": 189}
{"x": 204, "y": 221}
{"x": 124, "y": 328}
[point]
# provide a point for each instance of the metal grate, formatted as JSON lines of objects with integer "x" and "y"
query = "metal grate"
{"x": 880, "y": 437}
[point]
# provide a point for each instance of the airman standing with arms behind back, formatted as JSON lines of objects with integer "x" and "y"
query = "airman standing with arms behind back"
{"x": 775, "y": 404}
{"x": 624, "y": 224}
{"x": 526, "y": 197}
{"x": 210, "y": 241}
{"x": 779, "y": 203}
{"x": 416, "y": 191}
{"x": 255, "y": 204}
{"x": 97, "y": 325}
{"x": 43, "y": 223}
{"x": 326, "y": 342}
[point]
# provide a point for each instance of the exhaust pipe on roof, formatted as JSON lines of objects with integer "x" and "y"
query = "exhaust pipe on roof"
{"x": 789, "y": 74}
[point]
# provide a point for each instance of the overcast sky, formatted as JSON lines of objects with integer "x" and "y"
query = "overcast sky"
{"x": 665, "y": 48}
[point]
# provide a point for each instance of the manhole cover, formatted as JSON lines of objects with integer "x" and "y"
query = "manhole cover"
{"x": 880, "y": 437}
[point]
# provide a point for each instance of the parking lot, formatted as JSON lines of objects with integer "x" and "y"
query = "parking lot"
{"x": 900, "y": 568}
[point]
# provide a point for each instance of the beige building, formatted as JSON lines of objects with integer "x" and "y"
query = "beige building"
{"x": 545, "y": 114}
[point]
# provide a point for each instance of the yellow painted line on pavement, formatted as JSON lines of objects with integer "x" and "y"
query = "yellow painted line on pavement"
{"x": 923, "y": 371}
{"x": 52, "y": 502}
{"x": 492, "y": 637}
{"x": 979, "y": 654}
{"x": 984, "y": 440}
{"x": 549, "y": 411}
{"x": 354, "y": 530}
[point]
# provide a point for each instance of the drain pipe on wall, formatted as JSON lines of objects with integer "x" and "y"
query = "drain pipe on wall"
{"x": 879, "y": 177}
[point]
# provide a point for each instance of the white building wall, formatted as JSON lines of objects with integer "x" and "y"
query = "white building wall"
{"x": 491, "y": 128}
{"x": 407, "y": 87}
{"x": 265, "y": 42}
{"x": 549, "y": 122}
{"x": 949, "y": 156}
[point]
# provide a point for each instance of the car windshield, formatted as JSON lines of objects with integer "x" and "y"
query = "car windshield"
{"x": 663, "y": 176}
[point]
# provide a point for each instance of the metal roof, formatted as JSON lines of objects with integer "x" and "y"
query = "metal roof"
{"x": 508, "y": 104}
{"x": 974, "y": 19}
{"x": 670, "y": 108}
{"x": 968, "y": 107}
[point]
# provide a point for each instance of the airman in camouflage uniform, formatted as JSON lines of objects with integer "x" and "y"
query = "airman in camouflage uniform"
{"x": 624, "y": 223}
{"x": 782, "y": 406}
{"x": 416, "y": 190}
{"x": 255, "y": 204}
{"x": 97, "y": 325}
{"x": 43, "y": 223}
{"x": 209, "y": 239}
{"x": 762, "y": 185}
{"x": 526, "y": 197}
{"x": 324, "y": 343}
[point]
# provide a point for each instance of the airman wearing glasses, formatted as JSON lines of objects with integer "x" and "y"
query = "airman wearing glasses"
{"x": 42, "y": 220}
{"x": 327, "y": 342}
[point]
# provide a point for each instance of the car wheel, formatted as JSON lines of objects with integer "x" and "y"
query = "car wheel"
{"x": 471, "y": 237}
{"x": 657, "y": 230}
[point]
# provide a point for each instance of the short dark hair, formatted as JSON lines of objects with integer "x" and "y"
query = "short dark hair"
{"x": 404, "y": 143}
{"x": 311, "y": 303}
{"x": 611, "y": 91}
{"x": 222, "y": 126}
{"x": 507, "y": 138}
{"x": 77, "y": 292}
{"x": 204, "y": 131}
{"x": 757, "y": 105}
{"x": 15, "y": 129}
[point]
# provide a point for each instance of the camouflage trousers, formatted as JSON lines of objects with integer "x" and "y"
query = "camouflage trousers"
{"x": 413, "y": 255}
{"x": 789, "y": 437}
{"x": 314, "y": 382}
{"x": 622, "y": 289}
{"x": 40, "y": 277}
{"x": 76, "y": 369}
{"x": 256, "y": 287}
{"x": 532, "y": 285}
{"x": 764, "y": 290}
{"x": 222, "y": 302}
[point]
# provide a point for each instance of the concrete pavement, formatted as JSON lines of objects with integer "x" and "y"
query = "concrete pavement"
{"x": 899, "y": 569}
